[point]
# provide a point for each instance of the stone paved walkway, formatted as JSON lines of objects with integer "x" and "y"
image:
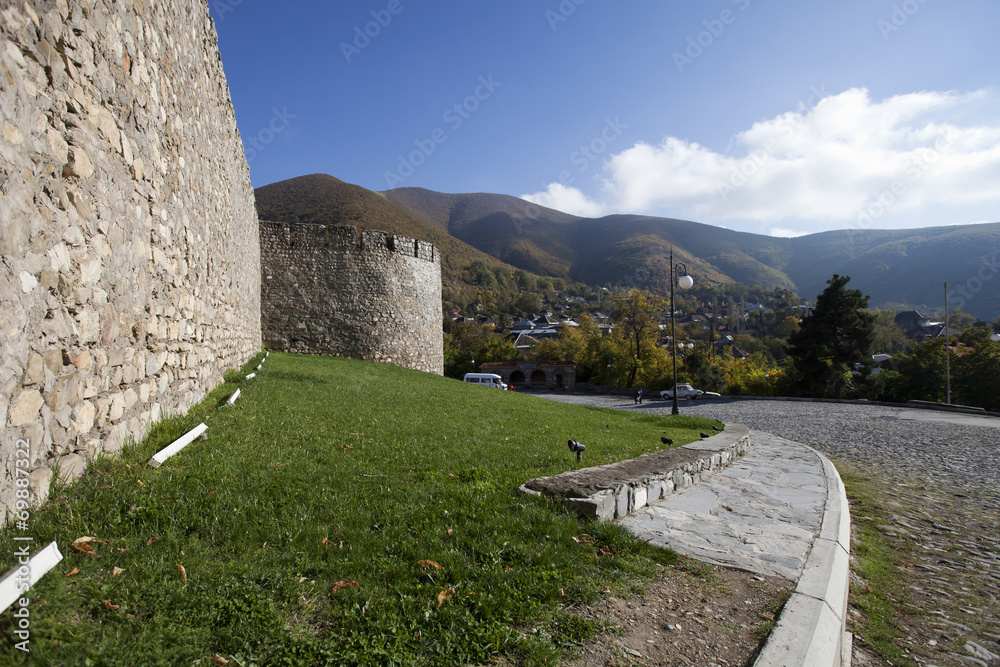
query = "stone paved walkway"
{"x": 939, "y": 474}
{"x": 759, "y": 514}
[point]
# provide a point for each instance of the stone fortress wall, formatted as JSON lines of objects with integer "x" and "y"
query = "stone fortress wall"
{"x": 129, "y": 253}
{"x": 346, "y": 292}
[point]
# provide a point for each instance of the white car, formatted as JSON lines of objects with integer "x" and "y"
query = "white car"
{"x": 683, "y": 391}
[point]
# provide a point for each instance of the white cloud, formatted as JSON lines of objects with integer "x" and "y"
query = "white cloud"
{"x": 847, "y": 162}
{"x": 783, "y": 233}
{"x": 566, "y": 199}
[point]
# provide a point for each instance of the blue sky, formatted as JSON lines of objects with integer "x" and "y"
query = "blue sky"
{"x": 772, "y": 117}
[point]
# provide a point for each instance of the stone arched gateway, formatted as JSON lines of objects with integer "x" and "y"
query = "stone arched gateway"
{"x": 534, "y": 374}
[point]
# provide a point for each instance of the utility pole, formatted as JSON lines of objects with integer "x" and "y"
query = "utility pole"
{"x": 947, "y": 349}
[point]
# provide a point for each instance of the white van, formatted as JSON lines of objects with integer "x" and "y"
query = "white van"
{"x": 485, "y": 380}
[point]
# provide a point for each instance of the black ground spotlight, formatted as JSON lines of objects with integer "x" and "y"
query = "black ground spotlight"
{"x": 575, "y": 446}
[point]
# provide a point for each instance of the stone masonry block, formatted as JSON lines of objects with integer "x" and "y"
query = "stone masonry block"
{"x": 640, "y": 496}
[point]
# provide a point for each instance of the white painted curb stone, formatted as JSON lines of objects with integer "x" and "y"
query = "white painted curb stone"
{"x": 176, "y": 446}
{"x": 232, "y": 399}
{"x": 38, "y": 564}
{"x": 811, "y": 631}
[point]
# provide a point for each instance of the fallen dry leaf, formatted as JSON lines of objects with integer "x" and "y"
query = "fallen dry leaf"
{"x": 184, "y": 574}
{"x": 449, "y": 531}
{"x": 139, "y": 482}
{"x": 427, "y": 564}
{"x": 151, "y": 540}
{"x": 115, "y": 572}
{"x": 109, "y": 606}
{"x": 72, "y": 572}
{"x": 302, "y": 580}
{"x": 444, "y": 596}
{"x": 219, "y": 660}
{"x": 345, "y": 583}
{"x": 84, "y": 548}
{"x": 342, "y": 544}
{"x": 347, "y": 447}
{"x": 326, "y": 542}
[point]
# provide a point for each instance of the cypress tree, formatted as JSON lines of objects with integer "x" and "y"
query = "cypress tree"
{"x": 838, "y": 334}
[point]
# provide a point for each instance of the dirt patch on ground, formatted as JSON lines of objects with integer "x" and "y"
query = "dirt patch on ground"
{"x": 693, "y": 614}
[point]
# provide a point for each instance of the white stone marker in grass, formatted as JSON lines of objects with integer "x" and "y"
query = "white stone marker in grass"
{"x": 27, "y": 571}
{"x": 251, "y": 376}
{"x": 176, "y": 446}
{"x": 232, "y": 399}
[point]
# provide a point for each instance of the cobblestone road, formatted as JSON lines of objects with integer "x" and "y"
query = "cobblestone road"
{"x": 938, "y": 475}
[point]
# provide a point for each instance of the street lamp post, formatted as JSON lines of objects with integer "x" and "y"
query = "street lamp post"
{"x": 684, "y": 281}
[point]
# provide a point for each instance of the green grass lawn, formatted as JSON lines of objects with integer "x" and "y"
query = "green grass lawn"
{"x": 343, "y": 513}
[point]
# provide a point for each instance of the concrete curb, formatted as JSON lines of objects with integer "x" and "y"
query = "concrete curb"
{"x": 633, "y": 492}
{"x": 812, "y": 629}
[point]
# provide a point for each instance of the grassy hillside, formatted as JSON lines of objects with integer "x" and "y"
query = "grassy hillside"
{"x": 907, "y": 266}
{"x": 618, "y": 249}
{"x": 532, "y": 238}
{"x": 323, "y": 199}
{"x": 893, "y": 266}
{"x": 342, "y": 512}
